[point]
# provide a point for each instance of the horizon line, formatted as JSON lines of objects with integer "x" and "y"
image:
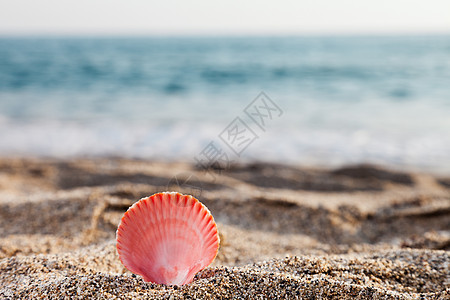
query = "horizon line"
{"x": 220, "y": 34}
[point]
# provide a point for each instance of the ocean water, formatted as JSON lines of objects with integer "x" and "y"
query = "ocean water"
{"x": 328, "y": 100}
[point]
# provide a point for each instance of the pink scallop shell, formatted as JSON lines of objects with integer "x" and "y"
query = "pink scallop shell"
{"x": 167, "y": 238}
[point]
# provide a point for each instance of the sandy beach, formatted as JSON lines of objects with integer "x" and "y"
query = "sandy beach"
{"x": 286, "y": 232}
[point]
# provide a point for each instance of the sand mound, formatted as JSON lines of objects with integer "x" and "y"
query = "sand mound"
{"x": 358, "y": 231}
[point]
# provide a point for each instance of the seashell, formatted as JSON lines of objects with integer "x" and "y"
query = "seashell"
{"x": 167, "y": 238}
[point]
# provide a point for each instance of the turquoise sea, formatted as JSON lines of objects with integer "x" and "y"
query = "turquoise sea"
{"x": 340, "y": 99}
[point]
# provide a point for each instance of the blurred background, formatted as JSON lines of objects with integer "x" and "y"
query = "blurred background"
{"x": 357, "y": 81}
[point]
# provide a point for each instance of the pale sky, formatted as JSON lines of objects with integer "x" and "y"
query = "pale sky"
{"x": 223, "y": 17}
